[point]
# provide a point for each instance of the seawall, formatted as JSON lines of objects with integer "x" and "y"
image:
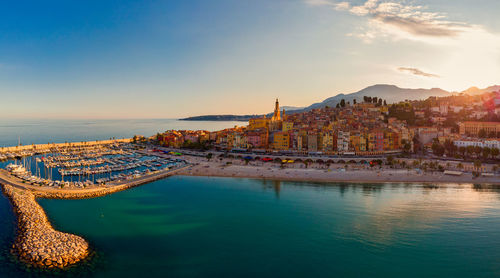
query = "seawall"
{"x": 40, "y": 147}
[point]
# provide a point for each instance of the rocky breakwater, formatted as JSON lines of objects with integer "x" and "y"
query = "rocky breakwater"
{"x": 37, "y": 243}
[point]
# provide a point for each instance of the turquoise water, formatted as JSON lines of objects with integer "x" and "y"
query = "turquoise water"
{"x": 226, "y": 227}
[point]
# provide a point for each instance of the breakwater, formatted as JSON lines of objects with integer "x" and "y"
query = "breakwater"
{"x": 41, "y": 147}
{"x": 37, "y": 243}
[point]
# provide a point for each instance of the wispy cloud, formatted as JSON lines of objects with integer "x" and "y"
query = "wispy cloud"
{"x": 389, "y": 17}
{"x": 416, "y": 71}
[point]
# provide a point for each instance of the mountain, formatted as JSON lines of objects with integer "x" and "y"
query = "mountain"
{"x": 476, "y": 91}
{"x": 390, "y": 93}
{"x": 236, "y": 118}
{"x": 291, "y": 108}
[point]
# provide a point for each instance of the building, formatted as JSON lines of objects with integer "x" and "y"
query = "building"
{"x": 343, "y": 140}
{"x": 258, "y": 123}
{"x": 281, "y": 140}
{"x": 287, "y": 126}
{"x": 312, "y": 142}
{"x": 473, "y": 128}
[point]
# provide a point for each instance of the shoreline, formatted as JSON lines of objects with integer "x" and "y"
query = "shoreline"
{"x": 334, "y": 174}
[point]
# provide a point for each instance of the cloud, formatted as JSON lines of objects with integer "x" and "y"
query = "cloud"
{"x": 464, "y": 52}
{"x": 319, "y": 3}
{"x": 416, "y": 71}
{"x": 395, "y": 17}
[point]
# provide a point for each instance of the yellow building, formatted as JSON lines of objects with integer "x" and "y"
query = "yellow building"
{"x": 327, "y": 141}
{"x": 257, "y": 123}
{"x": 281, "y": 141}
{"x": 287, "y": 126}
{"x": 473, "y": 128}
{"x": 358, "y": 142}
{"x": 230, "y": 140}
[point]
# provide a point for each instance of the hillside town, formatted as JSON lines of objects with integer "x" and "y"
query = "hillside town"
{"x": 458, "y": 126}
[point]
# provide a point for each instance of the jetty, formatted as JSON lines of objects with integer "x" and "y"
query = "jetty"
{"x": 50, "y": 146}
{"x": 37, "y": 243}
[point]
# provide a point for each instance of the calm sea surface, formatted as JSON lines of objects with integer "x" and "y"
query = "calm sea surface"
{"x": 60, "y": 131}
{"x": 227, "y": 227}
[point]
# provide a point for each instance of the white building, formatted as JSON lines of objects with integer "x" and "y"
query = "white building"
{"x": 343, "y": 138}
{"x": 478, "y": 143}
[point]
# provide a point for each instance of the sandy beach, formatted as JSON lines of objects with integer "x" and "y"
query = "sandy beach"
{"x": 321, "y": 173}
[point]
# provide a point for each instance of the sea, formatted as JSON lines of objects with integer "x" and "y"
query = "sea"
{"x": 234, "y": 227}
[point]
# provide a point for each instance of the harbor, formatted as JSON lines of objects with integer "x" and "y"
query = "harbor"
{"x": 70, "y": 171}
{"x": 86, "y": 166}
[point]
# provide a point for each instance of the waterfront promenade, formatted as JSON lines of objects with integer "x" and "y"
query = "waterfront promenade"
{"x": 321, "y": 172}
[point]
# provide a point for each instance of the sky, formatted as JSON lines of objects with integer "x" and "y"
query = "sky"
{"x": 171, "y": 59}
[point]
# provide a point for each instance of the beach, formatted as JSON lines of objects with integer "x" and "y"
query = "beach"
{"x": 316, "y": 172}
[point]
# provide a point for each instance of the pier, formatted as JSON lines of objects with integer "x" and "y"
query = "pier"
{"x": 49, "y": 146}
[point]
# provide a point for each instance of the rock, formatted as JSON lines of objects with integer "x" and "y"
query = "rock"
{"x": 37, "y": 243}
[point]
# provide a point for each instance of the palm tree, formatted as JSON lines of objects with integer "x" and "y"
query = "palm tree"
{"x": 462, "y": 150}
{"x": 478, "y": 150}
{"x": 477, "y": 164}
{"x": 486, "y": 152}
{"x": 494, "y": 153}
{"x": 470, "y": 150}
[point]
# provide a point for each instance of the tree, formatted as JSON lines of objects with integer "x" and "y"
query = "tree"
{"x": 390, "y": 160}
{"x": 338, "y": 105}
{"x": 385, "y": 102}
{"x": 342, "y": 103}
{"x": 482, "y": 133}
{"x": 374, "y": 99}
{"x": 437, "y": 149}
{"x": 486, "y": 152}
{"x": 379, "y": 102}
{"x": 460, "y": 166}
{"x": 462, "y": 150}
{"x": 492, "y": 135}
{"x": 209, "y": 156}
{"x": 478, "y": 150}
{"x": 470, "y": 150}
{"x": 354, "y": 101}
{"x": 450, "y": 147}
{"x": 494, "y": 153}
{"x": 477, "y": 164}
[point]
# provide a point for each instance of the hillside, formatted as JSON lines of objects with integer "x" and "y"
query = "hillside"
{"x": 390, "y": 93}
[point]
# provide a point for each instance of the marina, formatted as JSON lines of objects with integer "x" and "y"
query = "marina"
{"x": 86, "y": 166}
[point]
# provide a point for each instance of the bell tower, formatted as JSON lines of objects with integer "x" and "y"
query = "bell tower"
{"x": 277, "y": 116}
